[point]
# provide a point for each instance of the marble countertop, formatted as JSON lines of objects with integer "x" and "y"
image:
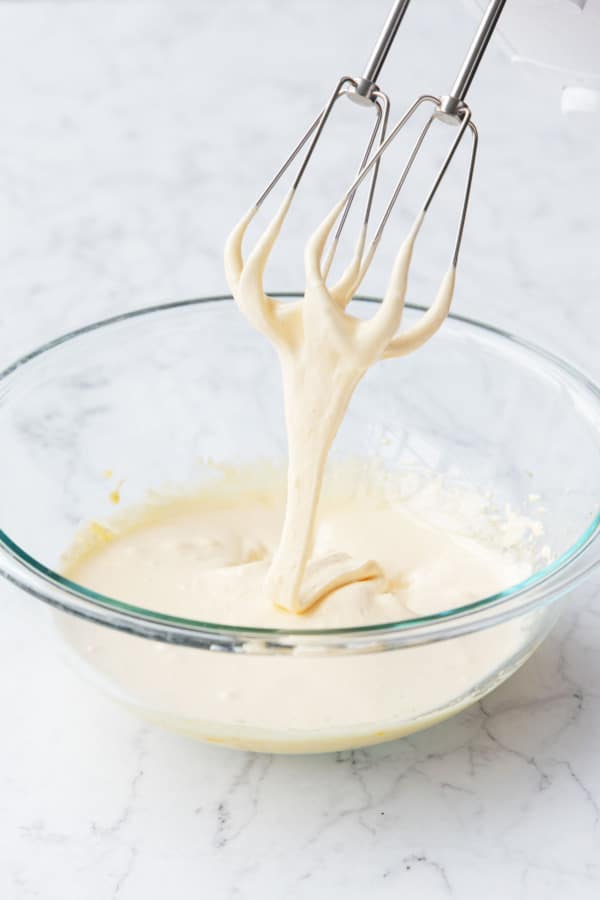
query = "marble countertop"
{"x": 133, "y": 136}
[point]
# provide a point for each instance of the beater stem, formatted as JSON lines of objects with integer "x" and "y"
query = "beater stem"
{"x": 381, "y": 49}
{"x": 453, "y": 103}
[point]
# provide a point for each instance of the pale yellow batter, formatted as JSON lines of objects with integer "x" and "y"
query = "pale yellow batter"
{"x": 206, "y": 557}
{"x": 210, "y": 555}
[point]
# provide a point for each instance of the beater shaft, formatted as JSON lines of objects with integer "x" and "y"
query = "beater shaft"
{"x": 382, "y": 48}
{"x": 451, "y": 103}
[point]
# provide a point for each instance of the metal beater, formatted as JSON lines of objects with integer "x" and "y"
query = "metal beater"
{"x": 449, "y": 108}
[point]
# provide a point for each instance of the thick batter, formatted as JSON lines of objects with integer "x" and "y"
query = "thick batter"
{"x": 206, "y": 558}
{"x": 210, "y": 554}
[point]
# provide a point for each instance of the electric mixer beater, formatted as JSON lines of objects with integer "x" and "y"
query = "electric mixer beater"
{"x": 450, "y": 108}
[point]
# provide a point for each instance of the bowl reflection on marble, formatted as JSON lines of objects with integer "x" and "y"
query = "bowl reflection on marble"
{"x": 151, "y": 394}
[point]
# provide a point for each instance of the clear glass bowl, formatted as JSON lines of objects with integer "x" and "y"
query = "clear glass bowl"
{"x": 153, "y": 393}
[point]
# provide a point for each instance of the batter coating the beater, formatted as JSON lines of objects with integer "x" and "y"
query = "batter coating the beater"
{"x": 324, "y": 352}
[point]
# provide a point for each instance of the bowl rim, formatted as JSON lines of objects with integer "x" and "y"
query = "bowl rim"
{"x": 539, "y": 589}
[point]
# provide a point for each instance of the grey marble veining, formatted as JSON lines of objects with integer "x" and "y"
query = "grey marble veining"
{"x": 134, "y": 134}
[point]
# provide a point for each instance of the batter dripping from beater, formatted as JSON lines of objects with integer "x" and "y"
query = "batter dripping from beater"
{"x": 324, "y": 352}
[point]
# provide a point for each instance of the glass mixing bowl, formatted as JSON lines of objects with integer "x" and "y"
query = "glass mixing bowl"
{"x": 154, "y": 394}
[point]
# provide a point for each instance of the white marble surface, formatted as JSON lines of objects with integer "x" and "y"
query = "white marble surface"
{"x": 133, "y": 135}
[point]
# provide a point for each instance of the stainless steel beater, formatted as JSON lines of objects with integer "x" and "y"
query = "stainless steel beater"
{"x": 450, "y": 108}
